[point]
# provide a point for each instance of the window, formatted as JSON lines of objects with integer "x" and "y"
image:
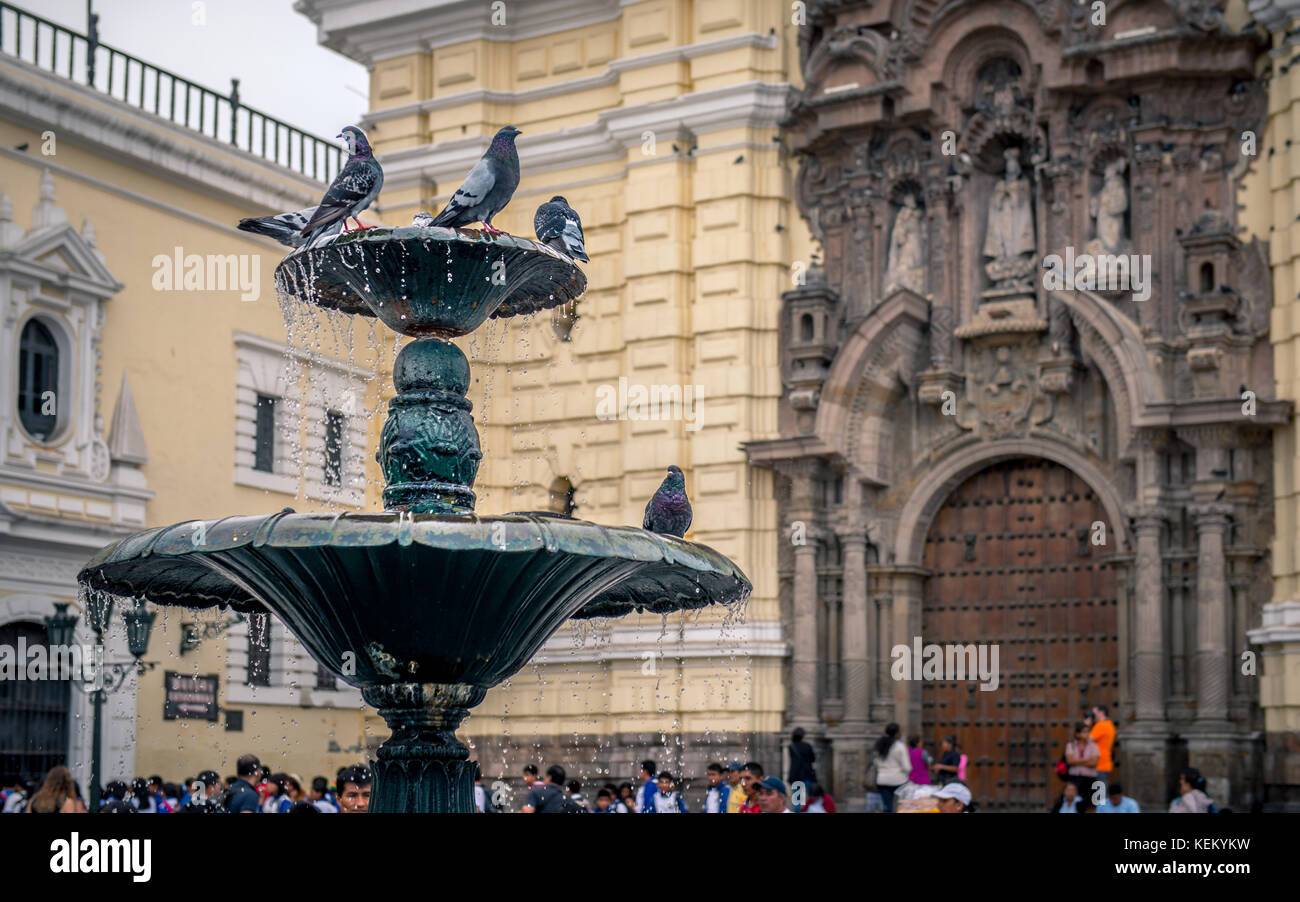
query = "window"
{"x": 333, "y": 448}
{"x": 264, "y": 435}
{"x": 259, "y": 649}
{"x": 38, "y": 380}
{"x": 1207, "y": 278}
{"x": 33, "y": 713}
{"x": 325, "y": 679}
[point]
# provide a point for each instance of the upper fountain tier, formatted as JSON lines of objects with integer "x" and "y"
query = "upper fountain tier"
{"x": 430, "y": 281}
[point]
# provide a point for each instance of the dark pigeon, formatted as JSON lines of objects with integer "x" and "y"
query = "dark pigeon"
{"x": 286, "y": 228}
{"x": 668, "y": 512}
{"x": 558, "y": 226}
{"x": 488, "y": 187}
{"x": 353, "y": 189}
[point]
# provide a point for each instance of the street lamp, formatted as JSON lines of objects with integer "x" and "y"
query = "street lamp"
{"x": 60, "y": 624}
{"x": 98, "y": 610}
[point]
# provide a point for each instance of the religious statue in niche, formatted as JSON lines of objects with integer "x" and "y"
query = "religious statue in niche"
{"x": 1009, "y": 241}
{"x": 906, "y": 265}
{"x": 1109, "y": 207}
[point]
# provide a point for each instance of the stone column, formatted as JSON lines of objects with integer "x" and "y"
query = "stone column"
{"x": 854, "y": 631}
{"x": 909, "y": 589}
{"x": 803, "y": 667}
{"x": 1211, "y": 614}
{"x": 1148, "y": 620}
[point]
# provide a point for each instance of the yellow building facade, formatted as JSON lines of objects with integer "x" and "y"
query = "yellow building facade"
{"x": 1273, "y": 207}
{"x": 122, "y": 268}
{"x": 658, "y": 122}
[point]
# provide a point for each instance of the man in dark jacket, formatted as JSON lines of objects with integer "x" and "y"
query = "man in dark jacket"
{"x": 549, "y": 797}
{"x": 801, "y": 760}
{"x": 243, "y": 798}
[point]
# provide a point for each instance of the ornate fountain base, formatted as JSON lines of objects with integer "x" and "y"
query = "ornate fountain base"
{"x": 429, "y": 450}
{"x": 423, "y": 767}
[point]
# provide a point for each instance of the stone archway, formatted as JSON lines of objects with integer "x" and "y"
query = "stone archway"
{"x": 1013, "y": 568}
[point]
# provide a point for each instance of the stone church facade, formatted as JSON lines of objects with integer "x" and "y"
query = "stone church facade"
{"x": 983, "y": 443}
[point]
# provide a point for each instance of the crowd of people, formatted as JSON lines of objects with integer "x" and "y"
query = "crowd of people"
{"x": 902, "y": 775}
{"x": 253, "y": 789}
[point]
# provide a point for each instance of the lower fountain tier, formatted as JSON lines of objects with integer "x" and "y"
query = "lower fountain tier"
{"x": 417, "y": 598}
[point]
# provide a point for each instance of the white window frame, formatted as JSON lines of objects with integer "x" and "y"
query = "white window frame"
{"x": 270, "y": 368}
{"x": 292, "y": 676}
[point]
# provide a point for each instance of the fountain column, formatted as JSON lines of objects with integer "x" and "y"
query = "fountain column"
{"x": 429, "y": 449}
{"x": 423, "y": 766}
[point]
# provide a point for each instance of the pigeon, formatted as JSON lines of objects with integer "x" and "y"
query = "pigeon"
{"x": 668, "y": 512}
{"x": 422, "y": 220}
{"x": 488, "y": 187}
{"x": 353, "y": 189}
{"x": 286, "y": 228}
{"x": 559, "y": 227}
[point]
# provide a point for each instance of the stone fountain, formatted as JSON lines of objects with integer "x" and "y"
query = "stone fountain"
{"x": 424, "y": 606}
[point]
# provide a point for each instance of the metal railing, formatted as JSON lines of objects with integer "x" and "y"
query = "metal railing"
{"x": 83, "y": 59}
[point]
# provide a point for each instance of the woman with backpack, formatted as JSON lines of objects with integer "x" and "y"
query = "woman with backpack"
{"x": 892, "y": 765}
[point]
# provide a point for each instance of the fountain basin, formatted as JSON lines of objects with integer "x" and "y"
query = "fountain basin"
{"x": 431, "y": 281}
{"x": 432, "y": 599}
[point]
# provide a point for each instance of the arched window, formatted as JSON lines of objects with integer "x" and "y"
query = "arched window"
{"x": 806, "y": 327}
{"x": 1207, "y": 278}
{"x": 38, "y": 380}
{"x": 33, "y": 713}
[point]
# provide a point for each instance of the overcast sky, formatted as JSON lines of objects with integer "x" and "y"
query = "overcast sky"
{"x": 271, "y": 49}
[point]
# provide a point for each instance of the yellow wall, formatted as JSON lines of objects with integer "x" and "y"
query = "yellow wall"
{"x": 687, "y": 266}
{"x": 1270, "y": 200}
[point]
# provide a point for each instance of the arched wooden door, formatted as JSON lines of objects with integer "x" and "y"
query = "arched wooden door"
{"x": 1013, "y": 565}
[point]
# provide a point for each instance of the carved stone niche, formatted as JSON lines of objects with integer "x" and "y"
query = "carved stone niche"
{"x": 1209, "y": 304}
{"x": 809, "y": 344}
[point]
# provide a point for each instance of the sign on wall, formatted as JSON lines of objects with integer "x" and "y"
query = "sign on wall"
{"x": 190, "y": 697}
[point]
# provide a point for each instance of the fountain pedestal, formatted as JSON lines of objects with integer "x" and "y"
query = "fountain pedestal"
{"x": 423, "y": 766}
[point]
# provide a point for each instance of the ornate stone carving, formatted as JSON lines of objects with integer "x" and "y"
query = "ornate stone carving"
{"x": 906, "y": 267}
{"x": 1009, "y": 240}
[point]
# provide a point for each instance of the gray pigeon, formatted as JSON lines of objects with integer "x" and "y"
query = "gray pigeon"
{"x": 488, "y": 187}
{"x": 286, "y": 228}
{"x": 422, "y": 219}
{"x": 353, "y": 189}
{"x": 558, "y": 225}
{"x": 668, "y": 511}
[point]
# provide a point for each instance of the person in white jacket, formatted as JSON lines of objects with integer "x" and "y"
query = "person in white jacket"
{"x": 892, "y": 765}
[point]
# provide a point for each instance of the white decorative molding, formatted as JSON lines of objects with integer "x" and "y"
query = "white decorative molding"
{"x": 82, "y": 115}
{"x": 370, "y": 31}
{"x": 753, "y": 104}
{"x": 1280, "y": 624}
{"x": 631, "y": 642}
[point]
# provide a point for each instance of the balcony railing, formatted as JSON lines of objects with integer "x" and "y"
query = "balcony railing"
{"x": 83, "y": 59}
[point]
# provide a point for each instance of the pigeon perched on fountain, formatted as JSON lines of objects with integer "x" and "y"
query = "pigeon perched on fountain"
{"x": 422, "y": 220}
{"x": 558, "y": 226}
{"x": 286, "y": 228}
{"x": 668, "y": 512}
{"x": 488, "y": 187}
{"x": 353, "y": 189}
